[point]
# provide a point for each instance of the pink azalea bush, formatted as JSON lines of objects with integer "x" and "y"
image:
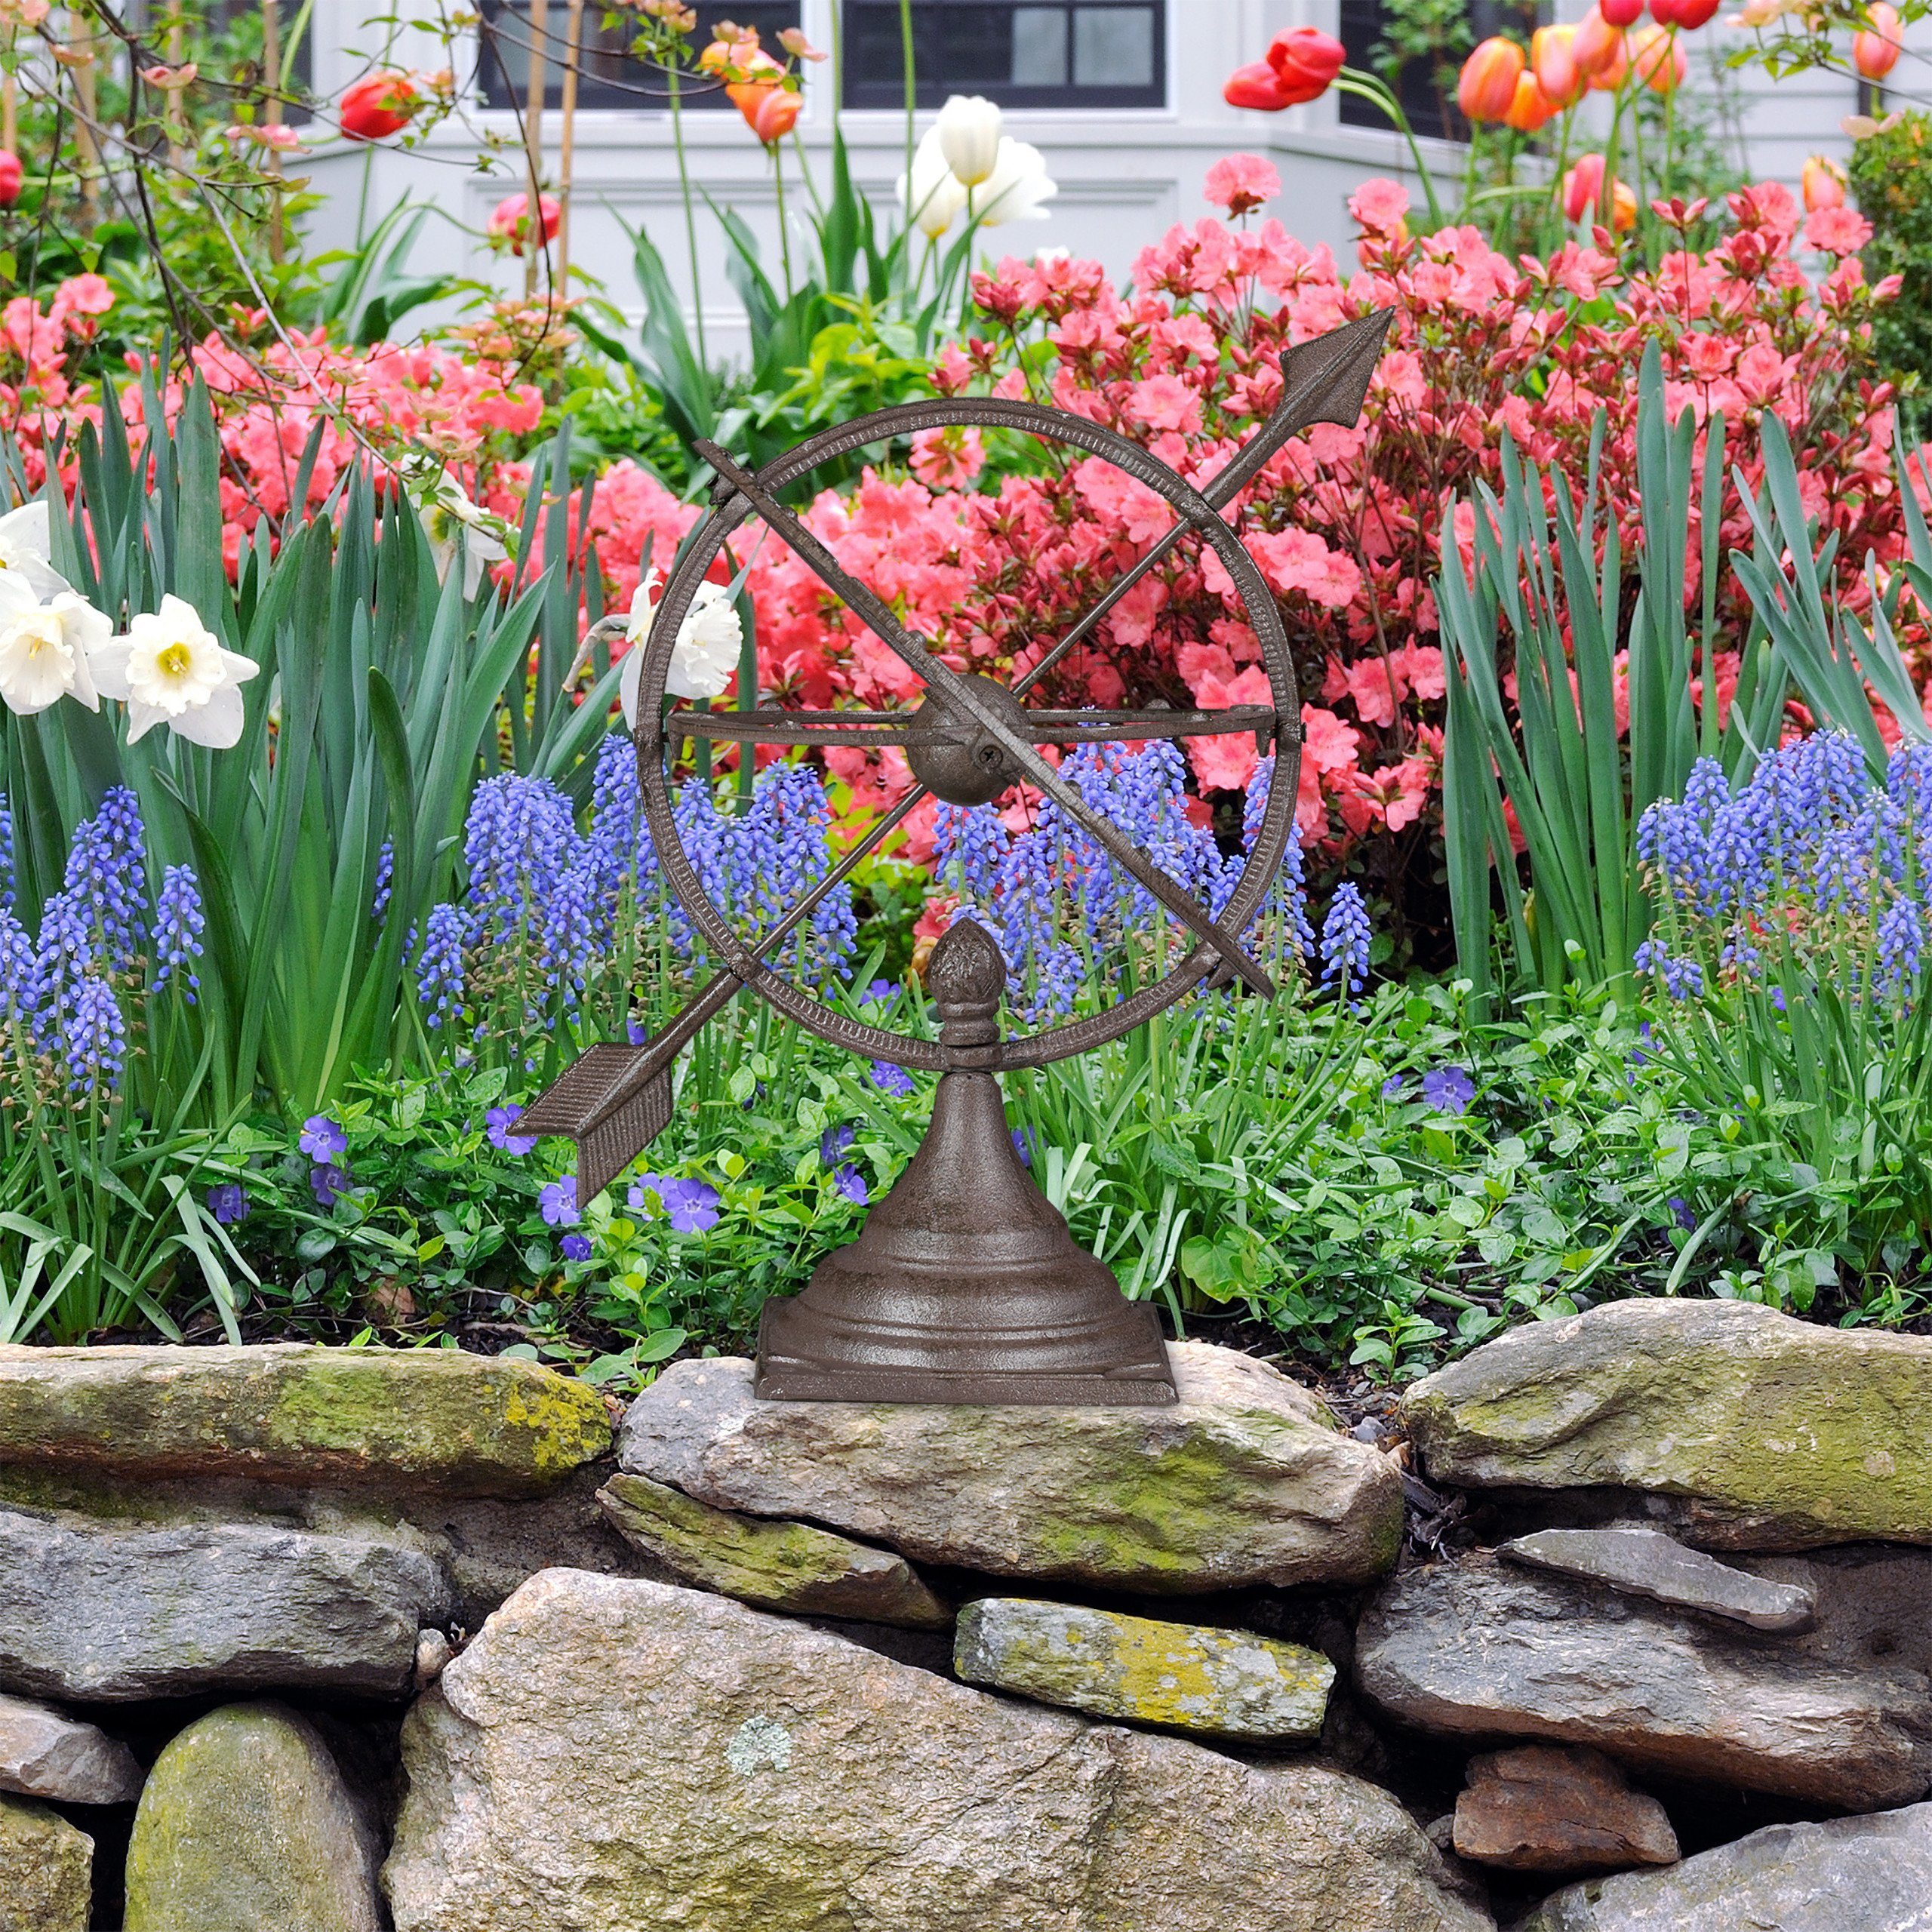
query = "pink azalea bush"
{"x": 993, "y": 553}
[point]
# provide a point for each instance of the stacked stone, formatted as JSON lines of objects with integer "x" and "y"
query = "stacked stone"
{"x": 284, "y": 1523}
{"x": 1730, "y": 1587}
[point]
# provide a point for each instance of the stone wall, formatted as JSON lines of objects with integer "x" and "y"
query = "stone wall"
{"x": 343, "y": 1640}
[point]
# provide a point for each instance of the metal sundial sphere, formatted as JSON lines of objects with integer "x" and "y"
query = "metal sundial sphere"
{"x": 965, "y": 1285}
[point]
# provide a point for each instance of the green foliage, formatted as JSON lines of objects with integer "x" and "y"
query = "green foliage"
{"x": 1891, "y": 175}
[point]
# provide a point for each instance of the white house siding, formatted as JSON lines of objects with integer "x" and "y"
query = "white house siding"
{"x": 1123, "y": 175}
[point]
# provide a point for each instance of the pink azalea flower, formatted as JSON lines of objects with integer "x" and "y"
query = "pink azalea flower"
{"x": 1240, "y": 182}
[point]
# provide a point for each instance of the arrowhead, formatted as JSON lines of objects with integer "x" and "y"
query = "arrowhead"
{"x": 589, "y": 1103}
{"x": 1334, "y": 371}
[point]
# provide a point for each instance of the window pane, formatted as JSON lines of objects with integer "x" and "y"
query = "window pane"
{"x": 1113, "y": 47}
{"x": 1039, "y": 47}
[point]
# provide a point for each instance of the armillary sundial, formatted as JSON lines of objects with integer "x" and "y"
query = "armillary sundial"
{"x": 965, "y": 1285}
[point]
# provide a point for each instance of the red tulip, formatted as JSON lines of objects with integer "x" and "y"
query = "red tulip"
{"x": 1306, "y": 61}
{"x": 9, "y": 177}
{"x": 1692, "y": 14}
{"x": 1621, "y": 13}
{"x": 1487, "y": 89}
{"x": 1256, "y": 85}
{"x": 1664, "y": 12}
{"x": 375, "y": 107}
{"x": 509, "y": 221}
{"x": 1874, "y": 52}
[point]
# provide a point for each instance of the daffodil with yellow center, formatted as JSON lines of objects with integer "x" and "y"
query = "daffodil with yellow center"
{"x": 172, "y": 670}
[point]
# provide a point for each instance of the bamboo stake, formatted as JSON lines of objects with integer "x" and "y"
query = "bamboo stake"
{"x": 177, "y": 119}
{"x": 272, "y": 117}
{"x": 86, "y": 85}
{"x": 533, "y": 135}
{"x": 566, "y": 161}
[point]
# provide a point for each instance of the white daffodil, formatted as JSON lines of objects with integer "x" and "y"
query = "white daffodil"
{"x": 937, "y": 196}
{"x": 45, "y": 649}
{"x": 1018, "y": 187}
{"x": 26, "y": 551}
{"x": 969, "y": 137}
{"x": 706, "y": 652}
{"x": 453, "y": 520}
{"x": 172, "y": 670}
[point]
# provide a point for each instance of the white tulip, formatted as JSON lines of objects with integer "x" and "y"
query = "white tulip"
{"x": 937, "y": 196}
{"x": 172, "y": 670}
{"x": 45, "y": 648}
{"x": 26, "y": 550}
{"x": 1018, "y": 188}
{"x": 706, "y": 652}
{"x": 969, "y": 138}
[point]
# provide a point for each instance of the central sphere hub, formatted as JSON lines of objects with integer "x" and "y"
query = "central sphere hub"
{"x": 953, "y": 756}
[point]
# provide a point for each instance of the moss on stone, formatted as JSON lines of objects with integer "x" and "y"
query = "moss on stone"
{"x": 1173, "y": 1676}
{"x": 467, "y": 1424}
{"x": 781, "y": 1566}
{"x": 1771, "y": 1430}
{"x": 46, "y": 1870}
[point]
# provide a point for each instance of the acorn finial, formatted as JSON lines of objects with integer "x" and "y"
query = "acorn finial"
{"x": 967, "y": 976}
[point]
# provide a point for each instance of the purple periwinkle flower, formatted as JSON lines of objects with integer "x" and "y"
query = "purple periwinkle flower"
{"x": 852, "y": 1184}
{"x": 1394, "y": 1087}
{"x": 890, "y": 1079}
{"x": 641, "y": 1190}
{"x": 834, "y": 1141}
{"x": 327, "y": 1180}
{"x": 881, "y": 990}
{"x": 690, "y": 1205}
{"x": 1449, "y": 1090}
{"x": 228, "y": 1202}
{"x": 1022, "y": 1146}
{"x": 1681, "y": 1211}
{"x": 497, "y": 1125}
{"x": 557, "y": 1202}
{"x": 575, "y": 1247}
{"x": 321, "y": 1140}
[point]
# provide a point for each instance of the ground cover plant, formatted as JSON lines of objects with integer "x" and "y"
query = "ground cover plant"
{"x": 324, "y": 848}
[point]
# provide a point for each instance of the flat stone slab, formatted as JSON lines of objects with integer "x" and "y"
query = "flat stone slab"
{"x": 612, "y": 1754}
{"x": 1181, "y": 1676}
{"x": 1545, "y": 1807}
{"x": 46, "y": 1870}
{"x": 246, "y": 1825}
{"x": 1645, "y": 1562}
{"x": 1850, "y": 1875}
{"x": 788, "y": 1567}
{"x": 1246, "y": 1480}
{"x": 1770, "y": 1433}
{"x": 1836, "y": 1716}
{"x": 439, "y": 1418}
{"x": 44, "y": 1754}
{"x": 101, "y": 1612}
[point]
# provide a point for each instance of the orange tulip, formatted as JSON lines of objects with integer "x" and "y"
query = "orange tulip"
{"x": 1598, "y": 51}
{"x": 776, "y": 115}
{"x": 1660, "y": 60}
{"x": 1531, "y": 107}
{"x": 1487, "y": 88}
{"x": 1583, "y": 195}
{"x": 1555, "y": 63}
{"x": 1823, "y": 183}
{"x": 1874, "y": 52}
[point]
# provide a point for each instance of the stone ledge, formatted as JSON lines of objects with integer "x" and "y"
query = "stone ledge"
{"x": 439, "y": 1419}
